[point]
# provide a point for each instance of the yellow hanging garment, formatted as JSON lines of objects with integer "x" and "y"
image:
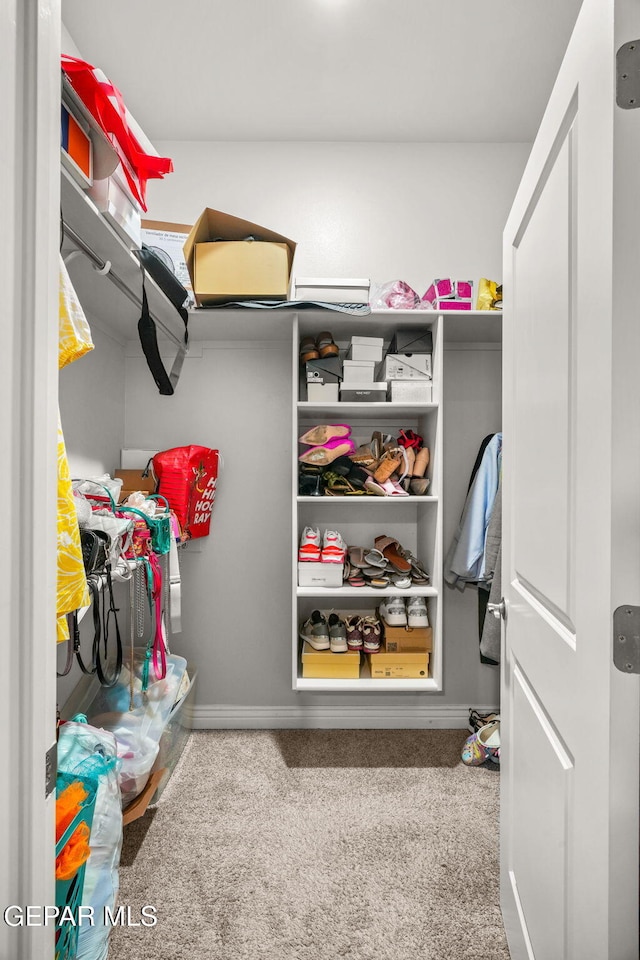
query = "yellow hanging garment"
{"x": 74, "y": 341}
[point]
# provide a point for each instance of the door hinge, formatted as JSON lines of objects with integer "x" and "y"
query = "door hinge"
{"x": 50, "y": 769}
{"x": 628, "y": 75}
{"x": 626, "y": 639}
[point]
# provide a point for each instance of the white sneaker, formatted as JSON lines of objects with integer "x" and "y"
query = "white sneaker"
{"x": 309, "y": 548}
{"x": 334, "y": 549}
{"x": 417, "y": 615}
{"x": 393, "y": 612}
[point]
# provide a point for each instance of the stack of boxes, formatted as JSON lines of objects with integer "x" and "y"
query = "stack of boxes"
{"x": 403, "y": 375}
{"x": 404, "y": 654}
{"x": 358, "y": 380}
{"x": 407, "y": 367}
{"x": 450, "y": 294}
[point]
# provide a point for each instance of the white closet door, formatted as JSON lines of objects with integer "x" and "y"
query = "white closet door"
{"x": 29, "y": 201}
{"x": 572, "y": 514}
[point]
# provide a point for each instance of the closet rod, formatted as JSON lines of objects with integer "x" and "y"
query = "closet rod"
{"x": 105, "y": 269}
{"x": 102, "y": 266}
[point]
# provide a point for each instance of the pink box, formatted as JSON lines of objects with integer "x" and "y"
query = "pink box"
{"x": 464, "y": 289}
{"x": 453, "y": 304}
{"x": 444, "y": 288}
{"x": 431, "y": 295}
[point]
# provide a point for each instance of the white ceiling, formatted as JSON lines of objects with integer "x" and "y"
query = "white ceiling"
{"x": 391, "y": 70}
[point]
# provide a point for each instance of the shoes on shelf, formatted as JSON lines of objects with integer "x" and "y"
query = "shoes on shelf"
{"x": 337, "y": 634}
{"x": 311, "y": 484}
{"x": 371, "y": 632}
{"x": 326, "y": 345}
{"x": 483, "y": 745}
{"x": 401, "y": 580}
{"x": 326, "y": 453}
{"x": 325, "y": 432}
{"x": 410, "y": 440}
{"x": 308, "y": 350}
{"x": 354, "y": 636}
{"x": 310, "y": 545}
{"x": 315, "y": 631}
{"x": 422, "y": 462}
{"x": 334, "y": 549}
{"x": 418, "y": 486}
{"x": 393, "y": 611}
{"x": 417, "y": 615}
{"x": 393, "y": 552}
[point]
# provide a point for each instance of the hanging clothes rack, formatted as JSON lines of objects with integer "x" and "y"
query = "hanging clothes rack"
{"x": 103, "y": 267}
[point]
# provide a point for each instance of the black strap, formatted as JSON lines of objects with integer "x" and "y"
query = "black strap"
{"x": 94, "y": 590}
{"x": 105, "y": 680}
{"x": 147, "y": 332}
{"x": 68, "y": 664}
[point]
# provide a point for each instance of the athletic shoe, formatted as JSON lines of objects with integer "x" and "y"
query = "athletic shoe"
{"x": 393, "y": 611}
{"x": 316, "y": 632}
{"x": 334, "y": 549}
{"x": 370, "y": 630}
{"x": 354, "y": 637}
{"x": 417, "y": 615}
{"x": 310, "y": 544}
{"x": 337, "y": 634}
{"x": 483, "y": 745}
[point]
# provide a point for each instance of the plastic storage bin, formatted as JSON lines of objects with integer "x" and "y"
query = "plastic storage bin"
{"x": 176, "y": 733}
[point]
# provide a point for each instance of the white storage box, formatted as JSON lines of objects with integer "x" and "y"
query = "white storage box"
{"x": 410, "y": 391}
{"x": 322, "y": 392}
{"x": 360, "y": 371}
{"x": 399, "y": 366}
{"x": 366, "y": 348}
{"x": 330, "y": 290}
{"x": 363, "y": 392}
{"x": 320, "y": 574}
{"x": 116, "y": 207}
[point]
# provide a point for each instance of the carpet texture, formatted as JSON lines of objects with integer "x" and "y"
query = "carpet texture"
{"x": 318, "y": 845}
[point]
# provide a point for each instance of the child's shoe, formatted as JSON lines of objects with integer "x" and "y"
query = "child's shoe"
{"x": 483, "y": 745}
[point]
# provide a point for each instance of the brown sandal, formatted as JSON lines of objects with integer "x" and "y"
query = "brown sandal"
{"x": 326, "y": 345}
{"x": 391, "y": 551}
{"x": 389, "y": 463}
{"x": 308, "y": 350}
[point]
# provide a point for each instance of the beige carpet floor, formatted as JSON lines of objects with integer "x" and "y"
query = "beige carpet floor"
{"x": 318, "y": 845}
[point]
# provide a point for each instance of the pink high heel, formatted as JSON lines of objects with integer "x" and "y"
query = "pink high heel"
{"x": 328, "y": 452}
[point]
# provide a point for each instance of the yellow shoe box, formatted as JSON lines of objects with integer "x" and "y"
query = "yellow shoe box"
{"x": 398, "y": 666}
{"x": 322, "y": 664}
{"x": 408, "y": 639}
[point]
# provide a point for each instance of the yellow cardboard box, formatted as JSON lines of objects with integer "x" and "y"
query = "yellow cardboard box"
{"x": 408, "y": 639}
{"x": 398, "y": 666}
{"x": 232, "y": 259}
{"x": 322, "y": 664}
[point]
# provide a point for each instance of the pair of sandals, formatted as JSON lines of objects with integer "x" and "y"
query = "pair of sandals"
{"x": 317, "y": 348}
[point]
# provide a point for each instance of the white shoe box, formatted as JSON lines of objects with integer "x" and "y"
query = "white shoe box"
{"x": 366, "y": 348}
{"x": 358, "y": 371}
{"x": 322, "y": 392}
{"x": 320, "y": 574}
{"x": 416, "y": 366}
{"x": 410, "y": 391}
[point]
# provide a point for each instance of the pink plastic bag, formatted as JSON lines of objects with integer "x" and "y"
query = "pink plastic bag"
{"x": 395, "y": 295}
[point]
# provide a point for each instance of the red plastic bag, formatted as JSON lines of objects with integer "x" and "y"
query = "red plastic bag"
{"x": 104, "y": 101}
{"x": 187, "y": 477}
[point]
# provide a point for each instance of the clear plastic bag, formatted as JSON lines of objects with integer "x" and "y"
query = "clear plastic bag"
{"x": 394, "y": 295}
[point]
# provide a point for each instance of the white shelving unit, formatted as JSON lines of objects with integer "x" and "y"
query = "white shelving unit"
{"x": 415, "y": 521}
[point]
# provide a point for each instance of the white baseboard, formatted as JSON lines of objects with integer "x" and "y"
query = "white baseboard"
{"x": 355, "y": 718}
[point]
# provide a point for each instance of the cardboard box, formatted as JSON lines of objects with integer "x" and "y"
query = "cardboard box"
{"x": 366, "y": 348}
{"x": 411, "y": 340}
{"x": 322, "y": 664}
{"x": 330, "y": 290}
{"x": 453, "y": 304}
{"x": 167, "y": 241}
{"x": 410, "y": 391}
{"x": 407, "y": 639}
{"x": 132, "y": 480}
{"x": 398, "y": 666}
{"x": 363, "y": 392}
{"x": 322, "y": 392}
{"x": 319, "y": 574}
{"x": 413, "y": 366}
{"x": 328, "y": 370}
{"x": 232, "y": 259}
{"x": 359, "y": 371}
